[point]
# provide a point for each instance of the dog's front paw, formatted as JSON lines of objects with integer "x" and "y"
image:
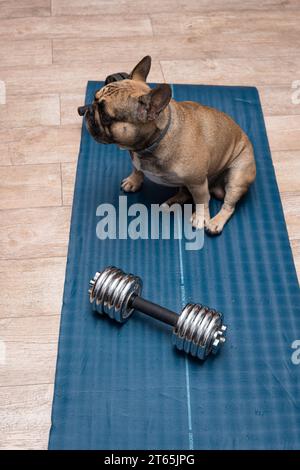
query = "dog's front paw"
{"x": 197, "y": 221}
{"x": 213, "y": 226}
{"x": 131, "y": 184}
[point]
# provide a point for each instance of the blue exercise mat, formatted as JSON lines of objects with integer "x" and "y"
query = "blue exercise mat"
{"x": 126, "y": 387}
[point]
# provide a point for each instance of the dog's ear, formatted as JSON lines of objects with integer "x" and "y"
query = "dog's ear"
{"x": 142, "y": 69}
{"x": 151, "y": 104}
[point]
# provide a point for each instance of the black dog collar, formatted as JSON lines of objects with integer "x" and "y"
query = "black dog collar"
{"x": 148, "y": 151}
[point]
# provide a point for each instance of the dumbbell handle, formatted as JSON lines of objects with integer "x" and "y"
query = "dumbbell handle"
{"x": 154, "y": 310}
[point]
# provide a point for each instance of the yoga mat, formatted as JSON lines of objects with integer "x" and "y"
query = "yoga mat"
{"x": 125, "y": 386}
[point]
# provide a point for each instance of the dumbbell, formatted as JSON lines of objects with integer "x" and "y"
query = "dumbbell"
{"x": 198, "y": 330}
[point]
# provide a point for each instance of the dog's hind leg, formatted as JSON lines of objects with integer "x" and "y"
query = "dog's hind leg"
{"x": 217, "y": 187}
{"x": 182, "y": 196}
{"x": 239, "y": 177}
{"x": 217, "y": 191}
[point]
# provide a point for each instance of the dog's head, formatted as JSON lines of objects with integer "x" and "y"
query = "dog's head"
{"x": 124, "y": 111}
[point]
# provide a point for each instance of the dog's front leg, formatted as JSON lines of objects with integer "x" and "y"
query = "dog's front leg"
{"x": 201, "y": 196}
{"x": 133, "y": 182}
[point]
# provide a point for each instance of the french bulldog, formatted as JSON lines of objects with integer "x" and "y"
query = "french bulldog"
{"x": 198, "y": 149}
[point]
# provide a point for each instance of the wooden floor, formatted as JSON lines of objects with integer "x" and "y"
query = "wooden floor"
{"x": 48, "y": 51}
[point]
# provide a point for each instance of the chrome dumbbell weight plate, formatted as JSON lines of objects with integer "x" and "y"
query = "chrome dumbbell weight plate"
{"x": 199, "y": 331}
{"x": 111, "y": 290}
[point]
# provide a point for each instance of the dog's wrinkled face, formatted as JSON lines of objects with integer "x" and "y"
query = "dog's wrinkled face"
{"x": 123, "y": 111}
{"x": 113, "y": 115}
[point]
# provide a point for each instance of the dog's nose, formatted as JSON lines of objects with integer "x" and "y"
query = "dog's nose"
{"x": 82, "y": 109}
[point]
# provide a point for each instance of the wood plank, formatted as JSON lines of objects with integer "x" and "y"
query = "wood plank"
{"x": 19, "y": 330}
{"x": 295, "y": 245}
{"x": 287, "y": 156}
{"x": 293, "y": 225}
{"x": 248, "y": 25}
{"x": 240, "y": 71}
{"x": 181, "y": 47}
{"x": 40, "y": 286}
{"x": 277, "y": 100}
{"x": 68, "y": 108}
{"x": 26, "y": 53}
{"x": 6, "y": 135}
{"x": 110, "y": 7}
{"x": 34, "y": 233}
{"x": 118, "y": 7}
{"x": 283, "y": 132}
{"x": 68, "y": 181}
{"x": 236, "y": 5}
{"x": 287, "y": 168}
{"x": 30, "y": 111}
{"x": 25, "y": 416}
{"x": 30, "y": 186}
{"x": 44, "y": 145}
{"x": 4, "y": 154}
{"x": 75, "y": 26}
{"x": 69, "y": 79}
{"x": 17, "y": 8}
{"x": 31, "y": 347}
{"x": 290, "y": 202}
{"x": 280, "y": 123}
